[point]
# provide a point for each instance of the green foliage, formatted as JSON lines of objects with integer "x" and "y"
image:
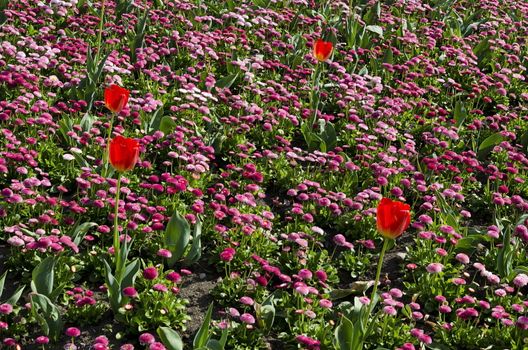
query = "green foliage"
{"x": 170, "y": 338}
{"x": 48, "y": 315}
{"x": 177, "y": 235}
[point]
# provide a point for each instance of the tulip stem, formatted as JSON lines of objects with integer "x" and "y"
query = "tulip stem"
{"x": 107, "y": 150}
{"x": 378, "y": 273}
{"x": 117, "y": 248}
{"x": 315, "y": 81}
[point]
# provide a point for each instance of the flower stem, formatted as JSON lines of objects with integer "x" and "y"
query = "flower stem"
{"x": 315, "y": 81}
{"x": 378, "y": 273}
{"x": 117, "y": 248}
{"x": 107, "y": 149}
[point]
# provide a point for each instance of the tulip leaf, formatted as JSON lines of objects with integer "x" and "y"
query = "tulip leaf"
{"x": 2, "y": 282}
{"x": 487, "y": 145}
{"x": 42, "y": 278}
{"x": 437, "y": 346}
{"x": 3, "y": 7}
{"x": 80, "y": 231}
{"x": 177, "y": 236}
{"x": 201, "y": 337}
{"x": 195, "y": 252}
{"x": 524, "y": 141}
{"x": 114, "y": 288}
{"x": 16, "y": 295}
{"x": 214, "y": 344}
{"x": 460, "y": 113}
{"x": 347, "y": 336}
{"x": 388, "y": 57}
{"x": 375, "y": 29}
{"x": 155, "y": 121}
{"x": 87, "y": 122}
{"x": 48, "y": 315}
{"x": 170, "y": 338}
{"x": 227, "y": 81}
{"x": 137, "y": 41}
{"x": 130, "y": 273}
{"x": 167, "y": 125}
{"x": 490, "y": 141}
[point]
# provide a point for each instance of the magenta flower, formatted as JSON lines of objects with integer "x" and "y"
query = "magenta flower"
{"x": 520, "y": 280}
{"x": 173, "y": 277}
{"x": 227, "y": 254}
{"x": 73, "y": 332}
{"x": 321, "y": 275}
{"x": 305, "y": 274}
{"x": 157, "y": 346}
{"x": 146, "y": 338}
{"x": 341, "y": 241}
{"x": 462, "y": 258}
{"x": 325, "y": 303}
{"x": 150, "y": 273}
{"x": 434, "y": 268}
{"x": 42, "y": 340}
{"x": 247, "y": 301}
{"x": 164, "y": 253}
{"x": 130, "y": 292}
{"x": 247, "y": 318}
{"x": 6, "y": 309}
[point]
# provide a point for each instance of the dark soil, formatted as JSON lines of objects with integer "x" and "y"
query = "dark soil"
{"x": 197, "y": 290}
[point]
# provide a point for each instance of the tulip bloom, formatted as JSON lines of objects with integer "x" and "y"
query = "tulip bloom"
{"x": 116, "y": 98}
{"x": 322, "y": 50}
{"x": 393, "y": 218}
{"x": 124, "y": 153}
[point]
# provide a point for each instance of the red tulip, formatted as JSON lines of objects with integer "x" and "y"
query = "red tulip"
{"x": 393, "y": 218}
{"x": 322, "y": 50}
{"x": 116, "y": 98}
{"x": 124, "y": 153}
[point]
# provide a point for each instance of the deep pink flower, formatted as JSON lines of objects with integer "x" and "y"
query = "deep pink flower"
{"x": 73, "y": 332}
{"x": 227, "y": 254}
{"x": 150, "y": 273}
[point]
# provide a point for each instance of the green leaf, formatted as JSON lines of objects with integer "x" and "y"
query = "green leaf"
{"x": 214, "y": 344}
{"x": 328, "y": 134}
{"x": 375, "y": 29}
{"x": 80, "y": 231}
{"x": 388, "y": 57}
{"x": 201, "y": 337}
{"x": 223, "y": 338}
{"x": 42, "y": 277}
{"x": 87, "y": 122}
{"x": 344, "y": 334}
{"x": 138, "y": 39}
{"x": 195, "y": 252}
{"x": 155, "y": 121}
{"x": 114, "y": 288}
{"x": 487, "y": 145}
{"x": 2, "y": 282}
{"x": 51, "y": 321}
{"x": 524, "y": 141}
{"x": 16, "y": 296}
{"x": 483, "y": 52}
{"x": 167, "y": 125}
{"x": 170, "y": 338}
{"x": 176, "y": 237}
{"x": 437, "y": 346}
{"x": 460, "y": 113}
{"x": 227, "y": 81}
{"x": 469, "y": 243}
{"x": 267, "y": 316}
{"x": 130, "y": 273}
